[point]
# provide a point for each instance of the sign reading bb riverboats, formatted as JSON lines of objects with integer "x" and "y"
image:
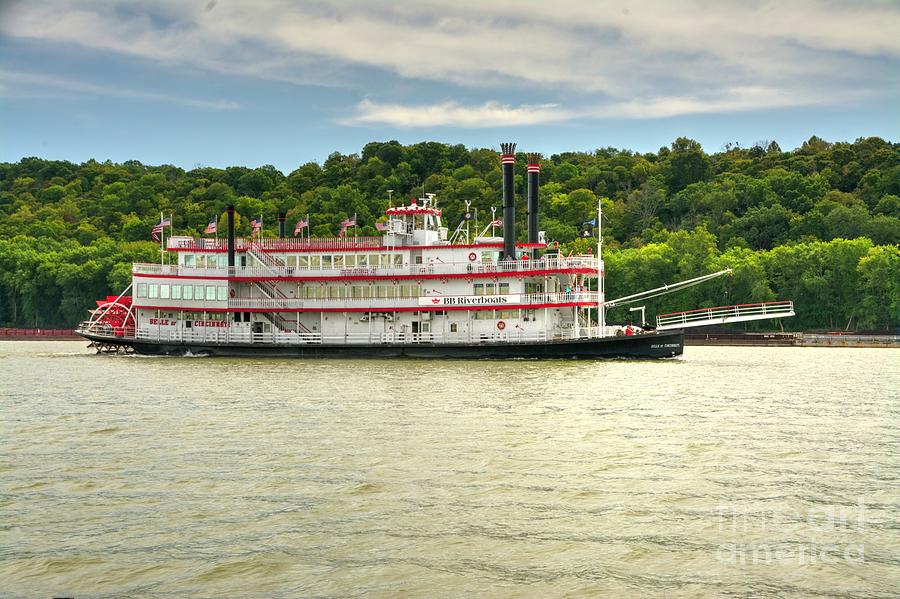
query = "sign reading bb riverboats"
{"x": 469, "y": 300}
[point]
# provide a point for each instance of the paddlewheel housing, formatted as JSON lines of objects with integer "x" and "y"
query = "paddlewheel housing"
{"x": 113, "y": 316}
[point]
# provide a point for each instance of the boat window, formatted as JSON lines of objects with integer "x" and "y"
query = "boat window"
{"x": 176, "y": 291}
{"x": 210, "y": 293}
{"x": 478, "y": 289}
{"x": 163, "y": 292}
{"x": 198, "y": 292}
{"x": 142, "y": 289}
{"x": 339, "y": 261}
{"x": 425, "y": 327}
{"x": 418, "y": 259}
{"x": 303, "y": 261}
{"x": 221, "y": 293}
{"x": 326, "y": 262}
{"x": 490, "y": 289}
{"x": 315, "y": 262}
{"x": 189, "y": 260}
{"x": 188, "y": 292}
{"x": 212, "y": 261}
{"x": 504, "y": 288}
{"x": 453, "y": 327}
{"x": 334, "y": 292}
{"x": 292, "y": 260}
{"x": 201, "y": 261}
{"x": 398, "y": 259}
{"x": 362, "y": 260}
{"x": 154, "y": 291}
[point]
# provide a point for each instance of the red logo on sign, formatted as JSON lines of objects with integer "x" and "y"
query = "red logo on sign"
{"x": 435, "y": 301}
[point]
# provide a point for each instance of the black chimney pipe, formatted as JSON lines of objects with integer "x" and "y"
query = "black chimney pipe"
{"x": 534, "y": 180}
{"x": 231, "y": 237}
{"x": 508, "y": 164}
{"x": 281, "y": 217}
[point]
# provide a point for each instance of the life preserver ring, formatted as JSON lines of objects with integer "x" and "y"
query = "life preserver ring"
{"x": 472, "y": 257}
{"x": 231, "y": 293}
{"x": 501, "y": 325}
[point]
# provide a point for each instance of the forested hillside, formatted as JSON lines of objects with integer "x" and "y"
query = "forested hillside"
{"x": 819, "y": 224}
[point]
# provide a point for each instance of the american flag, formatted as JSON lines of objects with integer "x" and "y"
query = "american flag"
{"x": 158, "y": 228}
{"x": 348, "y": 222}
{"x": 381, "y": 226}
{"x": 301, "y": 224}
{"x": 496, "y": 223}
{"x": 212, "y": 227}
{"x": 255, "y": 226}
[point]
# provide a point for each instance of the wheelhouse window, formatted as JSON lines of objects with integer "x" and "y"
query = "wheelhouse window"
{"x": 142, "y": 290}
{"x": 154, "y": 291}
{"x": 189, "y": 260}
{"x": 201, "y": 261}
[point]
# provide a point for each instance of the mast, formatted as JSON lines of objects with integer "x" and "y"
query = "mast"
{"x": 601, "y": 284}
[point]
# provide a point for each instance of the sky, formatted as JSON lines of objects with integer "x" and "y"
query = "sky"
{"x": 284, "y": 82}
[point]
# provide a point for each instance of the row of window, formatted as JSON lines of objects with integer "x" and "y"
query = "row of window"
{"x": 360, "y": 291}
{"x": 315, "y": 262}
{"x": 209, "y": 293}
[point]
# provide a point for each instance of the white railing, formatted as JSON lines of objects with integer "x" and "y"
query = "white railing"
{"x": 724, "y": 314}
{"x": 235, "y": 335}
{"x": 433, "y": 268}
{"x": 377, "y": 304}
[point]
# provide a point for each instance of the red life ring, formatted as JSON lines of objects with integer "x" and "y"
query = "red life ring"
{"x": 472, "y": 257}
{"x": 501, "y": 325}
{"x": 231, "y": 293}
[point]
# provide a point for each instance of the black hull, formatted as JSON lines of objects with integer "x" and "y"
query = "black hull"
{"x": 650, "y": 346}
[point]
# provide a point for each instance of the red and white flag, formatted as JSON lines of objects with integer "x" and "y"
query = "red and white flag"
{"x": 158, "y": 228}
{"x": 301, "y": 224}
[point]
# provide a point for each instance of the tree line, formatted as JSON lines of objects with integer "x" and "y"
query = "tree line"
{"x": 818, "y": 224}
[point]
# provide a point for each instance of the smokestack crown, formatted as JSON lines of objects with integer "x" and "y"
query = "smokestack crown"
{"x": 508, "y": 153}
{"x": 534, "y": 162}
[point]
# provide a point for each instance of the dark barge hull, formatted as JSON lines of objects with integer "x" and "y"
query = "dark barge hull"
{"x": 649, "y": 346}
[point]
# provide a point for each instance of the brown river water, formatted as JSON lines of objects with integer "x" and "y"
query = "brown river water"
{"x": 764, "y": 472}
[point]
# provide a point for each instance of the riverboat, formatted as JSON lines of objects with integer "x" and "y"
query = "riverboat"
{"x": 415, "y": 291}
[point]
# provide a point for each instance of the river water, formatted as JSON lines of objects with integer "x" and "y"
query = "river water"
{"x": 729, "y": 472}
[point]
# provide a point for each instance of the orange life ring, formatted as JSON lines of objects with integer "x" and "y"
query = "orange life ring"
{"x": 231, "y": 293}
{"x": 501, "y": 325}
{"x": 472, "y": 257}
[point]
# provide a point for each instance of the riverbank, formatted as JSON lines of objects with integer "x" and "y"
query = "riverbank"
{"x": 37, "y": 334}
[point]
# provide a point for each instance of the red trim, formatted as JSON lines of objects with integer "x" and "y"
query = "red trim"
{"x": 380, "y": 248}
{"x": 422, "y": 276}
{"x": 404, "y": 309}
{"x": 724, "y": 307}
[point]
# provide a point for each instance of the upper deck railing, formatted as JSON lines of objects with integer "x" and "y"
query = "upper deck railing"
{"x": 278, "y": 244}
{"x": 376, "y": 304}
{"x": 584, "y": 264}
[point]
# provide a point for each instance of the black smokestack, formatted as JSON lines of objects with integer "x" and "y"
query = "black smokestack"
{"x": 281, "y": 217}
{"x": 534, "y": 180}
{"x": 231, "y": 237}
{"x": 508, "y": 164}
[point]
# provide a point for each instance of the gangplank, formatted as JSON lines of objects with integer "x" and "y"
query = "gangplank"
{"x": 724, "y": 314}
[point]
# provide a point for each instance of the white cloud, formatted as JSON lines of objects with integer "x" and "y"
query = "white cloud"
{"x": 489, "y": 114}
{"x": 636, "y": 60}
{"x": 494, "y": 114}
{"x": 26, "y": 82}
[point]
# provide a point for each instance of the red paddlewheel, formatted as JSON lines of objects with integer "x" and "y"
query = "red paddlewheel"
{"x": 116, "y": 314}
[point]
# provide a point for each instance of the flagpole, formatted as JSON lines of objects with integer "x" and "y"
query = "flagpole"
{"x": 162, "y": 236}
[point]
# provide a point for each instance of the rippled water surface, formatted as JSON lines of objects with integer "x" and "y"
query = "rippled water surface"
{"x": 730, "y": 472}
